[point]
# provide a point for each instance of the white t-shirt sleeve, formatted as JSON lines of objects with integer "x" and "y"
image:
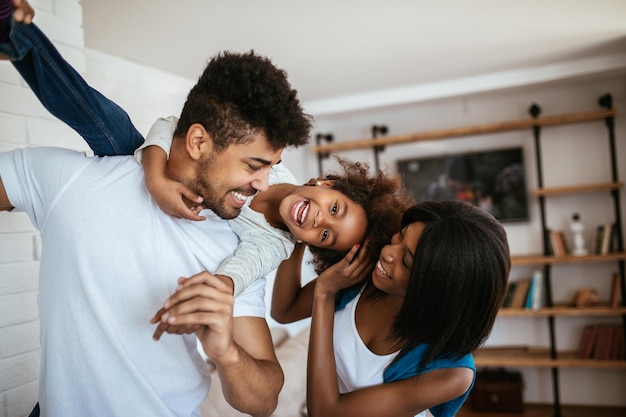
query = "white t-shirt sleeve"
{"x": 161, "y": 134}
{"x": 261, "y": 249}
{"x": 33, "y": 178}
{"x": 251, "y": 301}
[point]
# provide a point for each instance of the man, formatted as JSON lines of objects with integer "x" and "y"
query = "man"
{"x": 110, "y": 256}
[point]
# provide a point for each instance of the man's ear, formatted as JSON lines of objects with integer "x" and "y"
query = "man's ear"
{"x": 198, "y": 141}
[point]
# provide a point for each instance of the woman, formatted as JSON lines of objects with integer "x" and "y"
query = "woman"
{"x": 401, "y": 342}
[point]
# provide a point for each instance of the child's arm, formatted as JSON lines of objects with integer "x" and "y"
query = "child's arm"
{"x": 170, "y": 195}
{"x": 290, "y": 300}
{"x": 261, "y": 249}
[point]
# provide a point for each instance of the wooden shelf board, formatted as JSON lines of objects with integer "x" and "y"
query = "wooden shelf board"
{"x": 523, "y": 356}
{"x": 547, "y": 410}
{"x": 600, "y": 310}
{"x": 546, "y": 260}
{"x": 468, "y": 131}
{"x": 575, "y": 189}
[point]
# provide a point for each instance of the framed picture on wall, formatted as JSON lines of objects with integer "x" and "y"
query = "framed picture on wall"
{"x": 493, "y": 180}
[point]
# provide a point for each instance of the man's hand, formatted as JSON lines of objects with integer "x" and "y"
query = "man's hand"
{"x": 202, "y": 304}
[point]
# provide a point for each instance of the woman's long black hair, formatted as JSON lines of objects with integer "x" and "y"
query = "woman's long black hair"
{"x": 457, "y": 282}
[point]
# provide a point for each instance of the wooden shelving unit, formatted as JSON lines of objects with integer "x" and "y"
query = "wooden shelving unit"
{"x": 563, "y": 311}
{"x": 549, "y": 357}
{"x": 577, "y": 189}
{"x": 539, "y": 358}
{"x": 461, "y": 132}
{"x": 551, "y": 260}
{"x": 545, "y": 410}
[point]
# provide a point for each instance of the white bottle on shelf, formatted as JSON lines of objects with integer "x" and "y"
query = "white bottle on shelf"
{"x": 577, "y": 228}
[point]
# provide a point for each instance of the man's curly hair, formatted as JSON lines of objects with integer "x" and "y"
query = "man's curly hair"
{"x": 239, "y": 95}
{"x": 384, "y": 199}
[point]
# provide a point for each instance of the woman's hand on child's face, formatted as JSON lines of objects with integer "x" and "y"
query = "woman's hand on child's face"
{"x": 352, "y": 269}
{"x": 170, "y": 196}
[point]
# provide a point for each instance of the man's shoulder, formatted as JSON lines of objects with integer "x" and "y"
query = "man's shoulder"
{"x": 61, "y": 159}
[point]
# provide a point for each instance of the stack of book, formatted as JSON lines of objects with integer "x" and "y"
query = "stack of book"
{"x": 557, "y": 243}
{"x": 605, "y": 239}
{"x": 604, "y": 342}
{"x": 525, "y": 293}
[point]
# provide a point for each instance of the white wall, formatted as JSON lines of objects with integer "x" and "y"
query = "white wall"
{"x": 143, "y": 92}
{"x": 573, "y": 154}
{"x": 147, "y": 94}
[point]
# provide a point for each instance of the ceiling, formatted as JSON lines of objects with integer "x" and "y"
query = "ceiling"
{"x": 340, "y": 48}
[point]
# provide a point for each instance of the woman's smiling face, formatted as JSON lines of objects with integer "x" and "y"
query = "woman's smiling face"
{"x": 393, "y": 268}
{"x": 323, "y": 217}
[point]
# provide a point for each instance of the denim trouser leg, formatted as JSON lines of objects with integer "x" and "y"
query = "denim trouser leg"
{"x": 103, "y": 124}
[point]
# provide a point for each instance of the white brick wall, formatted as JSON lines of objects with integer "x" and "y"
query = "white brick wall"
{"x": 144, "y": 92}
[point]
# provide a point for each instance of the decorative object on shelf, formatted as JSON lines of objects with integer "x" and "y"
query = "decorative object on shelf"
{"x": 586, "y": 297}
{"x": 577, "y": 227}
{"x": 497, "y": 390}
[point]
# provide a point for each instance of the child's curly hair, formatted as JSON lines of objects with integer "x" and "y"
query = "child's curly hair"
{"x": 384, "y": 199}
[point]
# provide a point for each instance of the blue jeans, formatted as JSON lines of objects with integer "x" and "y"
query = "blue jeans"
{"x": 104, "y": 125}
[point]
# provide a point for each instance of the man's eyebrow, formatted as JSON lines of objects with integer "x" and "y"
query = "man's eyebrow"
{"x": 264, "y": 161}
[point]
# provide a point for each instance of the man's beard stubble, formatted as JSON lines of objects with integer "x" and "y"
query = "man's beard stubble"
{"x": 211, "y": 199}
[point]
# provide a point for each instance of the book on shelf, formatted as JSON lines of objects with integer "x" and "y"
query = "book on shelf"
{"x": 604, "y": 240}
{"x": 619, "y": 345}
{"x": 528, "y": 302}
{"x": 587, "y": 341}
{"x": 558, "y": 243}
{"x": 537, "y": 290}
{"x": 520, "y": 294}
{"x": 510, "y": 291}
{"x": 616, "y": 290}
{"x": 602, "y": 342}
{"x": 534, "y": 295}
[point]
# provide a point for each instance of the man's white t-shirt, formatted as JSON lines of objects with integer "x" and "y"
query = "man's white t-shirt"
{"x": 110, "y": 257}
